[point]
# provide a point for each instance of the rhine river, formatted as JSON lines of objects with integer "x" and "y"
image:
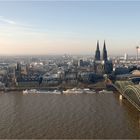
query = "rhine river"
{"x": 67, "y": 116}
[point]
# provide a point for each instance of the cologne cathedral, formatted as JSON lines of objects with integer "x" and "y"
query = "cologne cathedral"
{"x": 101, "y": 63}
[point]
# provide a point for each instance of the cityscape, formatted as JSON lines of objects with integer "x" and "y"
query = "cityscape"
{"x": 62, "y": 78}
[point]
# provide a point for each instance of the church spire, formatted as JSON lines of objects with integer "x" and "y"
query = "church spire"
{"x": 97, "y": 53}
{"x": 104, "y": 52}
{"x": 97, "y": 45}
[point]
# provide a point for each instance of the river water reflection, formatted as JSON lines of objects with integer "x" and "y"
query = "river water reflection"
{"x": 73, "y": 116}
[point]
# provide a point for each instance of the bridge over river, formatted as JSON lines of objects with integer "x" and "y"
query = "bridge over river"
{"x": 130, "y": 91}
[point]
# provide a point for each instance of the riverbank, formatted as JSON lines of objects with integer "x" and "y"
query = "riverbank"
{"x": 98, "y": 86}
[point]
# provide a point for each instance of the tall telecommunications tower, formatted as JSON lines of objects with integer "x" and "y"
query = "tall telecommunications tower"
{"x": 137, "y": 48}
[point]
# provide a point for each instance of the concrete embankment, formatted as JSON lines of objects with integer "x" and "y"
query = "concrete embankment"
{"x": 98, "y": 86}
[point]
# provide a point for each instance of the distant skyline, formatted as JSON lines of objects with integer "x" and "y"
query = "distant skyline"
{"x": 69, "y": 27}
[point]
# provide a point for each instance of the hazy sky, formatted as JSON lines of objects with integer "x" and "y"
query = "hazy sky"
{"x": 69, "y": 27}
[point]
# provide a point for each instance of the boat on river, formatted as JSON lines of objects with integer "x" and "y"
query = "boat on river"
{"x": 78, "y": 91}
{"x": 35, "y": 91}
{"x": 105, "y": 91}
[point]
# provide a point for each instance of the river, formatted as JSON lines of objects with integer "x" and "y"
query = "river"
{"x": 67, "y": 116}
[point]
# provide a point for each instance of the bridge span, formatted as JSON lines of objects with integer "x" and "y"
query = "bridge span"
{"x": 130, "y": 91}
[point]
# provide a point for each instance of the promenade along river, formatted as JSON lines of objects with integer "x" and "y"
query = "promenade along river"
{"x": 67, "y": 116}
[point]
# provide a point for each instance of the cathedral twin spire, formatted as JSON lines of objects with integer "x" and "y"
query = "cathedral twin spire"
{"x": 97, "y": 53}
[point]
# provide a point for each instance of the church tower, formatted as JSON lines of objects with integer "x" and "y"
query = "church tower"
{"x": 97, "y": 53}
{"x": 103, "y": 65}
{"x": 104, "y": 52}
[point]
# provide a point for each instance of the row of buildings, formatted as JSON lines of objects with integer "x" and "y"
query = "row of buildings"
{"x": 71, "y": 71}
